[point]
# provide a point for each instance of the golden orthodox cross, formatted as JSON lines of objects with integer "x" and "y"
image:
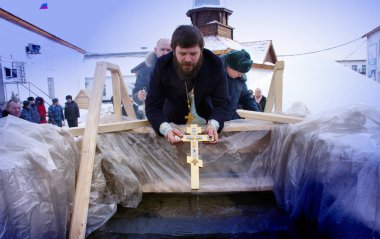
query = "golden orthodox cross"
{"x": 193, "y": 137}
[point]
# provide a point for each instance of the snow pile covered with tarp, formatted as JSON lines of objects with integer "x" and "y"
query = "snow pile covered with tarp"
{"x": 37, "y": 179}
{"x": 326, "y": 172}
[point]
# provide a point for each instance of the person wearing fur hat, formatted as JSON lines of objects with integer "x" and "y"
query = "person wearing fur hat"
{"x": 143, "y": 76}
{"x": 40, "y": 102}
{"x": 237, "y": 63}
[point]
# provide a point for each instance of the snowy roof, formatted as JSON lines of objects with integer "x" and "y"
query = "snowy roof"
{"x": 371, "y": 32}
{"x": 257, "y": 49}
{"x": 208, "y": 3}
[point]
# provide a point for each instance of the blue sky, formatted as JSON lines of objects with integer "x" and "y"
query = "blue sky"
{"x": 295, "y": 26}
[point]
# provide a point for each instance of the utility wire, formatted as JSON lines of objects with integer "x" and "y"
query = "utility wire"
{"x": 327, "y": 49}
{"x": 355, "y": 50}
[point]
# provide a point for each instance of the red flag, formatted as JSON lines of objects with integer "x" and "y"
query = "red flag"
{"x": 44, "y": 6}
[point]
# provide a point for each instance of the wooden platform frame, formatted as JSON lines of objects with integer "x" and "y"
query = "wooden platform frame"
{"x": 120, "y": 95}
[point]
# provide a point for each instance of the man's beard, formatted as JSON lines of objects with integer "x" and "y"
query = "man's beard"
{"x": 188, "y": 74}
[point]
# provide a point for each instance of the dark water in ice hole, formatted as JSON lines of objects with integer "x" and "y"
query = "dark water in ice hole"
{"x": 231, "y": 215}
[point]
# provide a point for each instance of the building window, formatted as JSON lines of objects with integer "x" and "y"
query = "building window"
{"x": 87, "y": 82}
{"x": 354, "y": 67}
{"x": 50, "y": 82}
{"x": 364, "y": 69}
{"x": 104, "y": 90}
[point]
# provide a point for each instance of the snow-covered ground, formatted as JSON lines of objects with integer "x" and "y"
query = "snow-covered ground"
{"x": 321, "y": 85}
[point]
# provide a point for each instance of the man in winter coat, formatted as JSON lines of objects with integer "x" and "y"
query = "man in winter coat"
{"x": 237, "y": 63}
{"x": 12, "y": 107}
{"x": 71, "y": 112}
{"x": 187, "y": 85}
{"x": 55, "y": 113}
{"x": 143, "y": 76}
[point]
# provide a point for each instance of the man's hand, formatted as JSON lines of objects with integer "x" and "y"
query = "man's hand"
{"x": 174, "y": 136}
{"x": 211, "y": 131}
{"x": 141, "y": 95}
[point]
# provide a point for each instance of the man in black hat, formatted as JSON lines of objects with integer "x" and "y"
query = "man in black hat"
{"x": 237, "y": 63}
{"x": 33, "y": 110}
{"x": 71, "y": 112}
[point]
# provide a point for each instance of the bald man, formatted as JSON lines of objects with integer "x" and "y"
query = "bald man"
{"x": 143, "y": 75}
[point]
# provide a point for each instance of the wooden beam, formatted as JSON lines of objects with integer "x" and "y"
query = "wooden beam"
{"x": 111, "y": 127}
{"x": 224, "y": 185}
{"x": 236, "y": 127}
{"x": 116, "y": 94}
{"x": 84, "y": 177}
{"x": 278, "y": 118}
{"x": 275, "y": 89}
{"x": 126, "y": 99}
{"x": 279, "y": 85}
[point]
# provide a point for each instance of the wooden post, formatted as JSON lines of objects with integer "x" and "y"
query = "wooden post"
{"x": 116, "y": 94}
{"x": 274, "y": 98}
{"x": 126, "y": 99}
{"x": 83, "y": 185}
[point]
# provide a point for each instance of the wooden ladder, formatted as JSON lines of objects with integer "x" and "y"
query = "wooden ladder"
{"x": 84, "y": 177}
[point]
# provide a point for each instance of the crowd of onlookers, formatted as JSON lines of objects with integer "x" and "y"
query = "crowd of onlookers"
{"x": 34, "y": 110}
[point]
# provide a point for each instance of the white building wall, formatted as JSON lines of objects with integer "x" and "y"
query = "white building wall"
{"x": 373, "y": 56}
{"x": 355, "y": 65}
{"x": 59, "y": 62}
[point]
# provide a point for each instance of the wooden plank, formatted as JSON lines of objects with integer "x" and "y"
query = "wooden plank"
{"x": 278, "y": 118}
{"x": 111, "y": 127}
{"x": 271, "y": 94}
{"x": 116, "y": 94}
{"x": 235, "y": 127}
{"x": 126, "y": 99}
{"x": 133, "y": 124}
{"x": 225, "y": 185}
{"x": 275, "y": 90}
{"x": 111, "y": 67}
{"x": 279, "y": 85}
{"x": 84, "y": 177}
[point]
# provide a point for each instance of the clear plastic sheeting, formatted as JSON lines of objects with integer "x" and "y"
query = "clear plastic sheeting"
{"x": 149, "y": 163}
{"x": 37, "y": 179}
{"x": 326, "y": 173}
{"x": 324, "y": 170}
{"x": 129, "y": 163}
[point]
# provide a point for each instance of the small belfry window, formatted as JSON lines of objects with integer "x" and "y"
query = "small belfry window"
{"x": 50, "y": 81}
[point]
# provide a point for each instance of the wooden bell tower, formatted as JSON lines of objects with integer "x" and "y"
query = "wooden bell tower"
{"x": 211, "y": 18}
